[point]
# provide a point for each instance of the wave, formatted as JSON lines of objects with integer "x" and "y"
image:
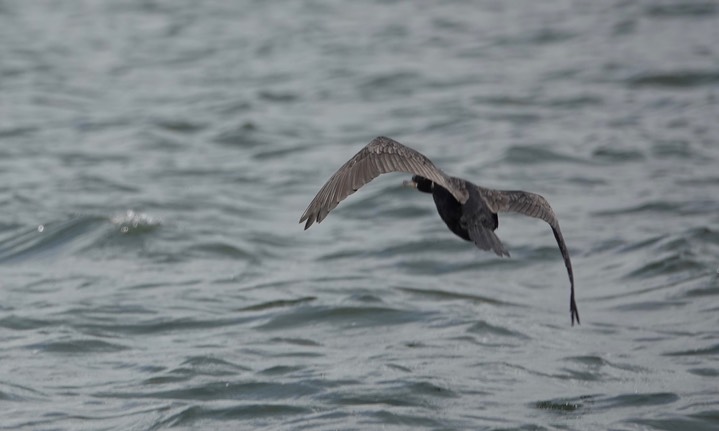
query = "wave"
{"x": 72, "y": 236}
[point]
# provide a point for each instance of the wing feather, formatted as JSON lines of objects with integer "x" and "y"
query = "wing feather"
{"x": 527, "y": 203}
{"x": 381, "y": 155}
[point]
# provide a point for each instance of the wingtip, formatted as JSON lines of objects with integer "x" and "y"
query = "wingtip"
{"x": 308, "y": 218}
{"x": 574, "y": 311}
{"x": 308, "y": 224}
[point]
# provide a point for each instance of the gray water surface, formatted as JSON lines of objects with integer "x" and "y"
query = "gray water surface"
{"x": 155, "y": 157}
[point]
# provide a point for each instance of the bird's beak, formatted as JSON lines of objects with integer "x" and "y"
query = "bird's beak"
{"x": 409, "y": 183}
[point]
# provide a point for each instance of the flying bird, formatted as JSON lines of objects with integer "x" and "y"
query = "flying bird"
{"x": 468, "y": 210}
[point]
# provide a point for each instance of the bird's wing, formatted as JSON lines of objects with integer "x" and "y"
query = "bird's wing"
{"x": 380, "y": 156}
{"x": 533, "y": 205}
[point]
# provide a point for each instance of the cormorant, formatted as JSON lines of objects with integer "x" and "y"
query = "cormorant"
{"x": 470, "y": 211}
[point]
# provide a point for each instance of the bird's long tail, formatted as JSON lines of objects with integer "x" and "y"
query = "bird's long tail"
{"x": 485, "y": 239}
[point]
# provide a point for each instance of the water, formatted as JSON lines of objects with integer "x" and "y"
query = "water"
{"x": 155, "y": 157}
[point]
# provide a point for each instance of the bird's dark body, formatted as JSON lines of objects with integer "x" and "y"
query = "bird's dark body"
{"x": 450, "y": 211}
{"x": 453, "y": 213}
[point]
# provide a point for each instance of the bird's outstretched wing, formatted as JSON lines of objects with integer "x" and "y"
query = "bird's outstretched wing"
{"x": 533, "y": 205}
{"x": 380, "y": 156}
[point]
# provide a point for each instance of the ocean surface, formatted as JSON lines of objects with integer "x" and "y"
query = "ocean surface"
{"x": 156, "y": 156}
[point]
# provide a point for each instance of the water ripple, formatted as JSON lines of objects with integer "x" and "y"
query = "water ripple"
{"x": 682, "y": 78}
{"x": 339, "y": 317}
{"x": 77, "y": 347}
{"x": 712, "y": 350}
{"x": 194, "y": 415}
{"x": 522, "y": 155}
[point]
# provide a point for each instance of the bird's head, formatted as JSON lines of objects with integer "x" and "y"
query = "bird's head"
{"x": 420, "y": 183}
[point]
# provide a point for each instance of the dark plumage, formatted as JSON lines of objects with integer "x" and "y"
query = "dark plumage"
{"x": 469, "y": 211}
